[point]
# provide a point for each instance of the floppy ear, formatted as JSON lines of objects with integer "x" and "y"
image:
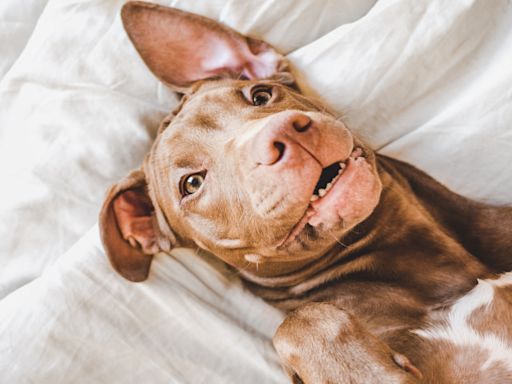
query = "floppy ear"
{"x": 181, "y": 48}
{"x": 129, "y": 229}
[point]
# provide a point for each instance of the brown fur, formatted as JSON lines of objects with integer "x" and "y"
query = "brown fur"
{"x": 405, "y": 250}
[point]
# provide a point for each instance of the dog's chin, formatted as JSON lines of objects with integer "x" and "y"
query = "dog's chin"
{"x": 344, "y": 196}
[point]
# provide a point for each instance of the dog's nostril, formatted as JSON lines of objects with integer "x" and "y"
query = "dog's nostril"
{"x": 280, "y": 149}
{"x": 302, "y": 123}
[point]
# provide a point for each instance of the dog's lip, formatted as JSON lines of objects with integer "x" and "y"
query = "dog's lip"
{"x": 357, "y": 152}
{"x": 297, "y": 228}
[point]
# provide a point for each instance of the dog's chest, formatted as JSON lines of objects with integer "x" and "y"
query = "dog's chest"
{"x": 472, "y": 340}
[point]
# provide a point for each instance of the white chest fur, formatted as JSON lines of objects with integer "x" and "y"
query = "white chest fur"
{"x": 479, "y": 327}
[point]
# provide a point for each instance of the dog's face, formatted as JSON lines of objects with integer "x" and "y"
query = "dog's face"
{"x": 253, "y": 168}
{"x": 250, "y": 169}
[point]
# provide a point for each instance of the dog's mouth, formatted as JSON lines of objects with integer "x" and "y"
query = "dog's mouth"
{"x": 328, "y": 177}
{"x": 333, "y": 186}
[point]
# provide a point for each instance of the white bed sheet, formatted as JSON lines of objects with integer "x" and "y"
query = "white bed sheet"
{"x": 426, "y": 81}
{"x": 17, "y": 21}
{"x": 190, "y": 323}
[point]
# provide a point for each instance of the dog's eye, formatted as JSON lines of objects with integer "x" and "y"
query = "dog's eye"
{"x": 261, "y": 96}
{"x": 192, "y": 183}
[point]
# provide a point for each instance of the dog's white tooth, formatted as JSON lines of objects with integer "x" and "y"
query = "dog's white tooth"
{"x": 342, "y": 165}
{"x": 314, "y": 198}
{"x": 328, "y": 186}
{"x": 357, "y": 152}
{"x": 321, "y": 192}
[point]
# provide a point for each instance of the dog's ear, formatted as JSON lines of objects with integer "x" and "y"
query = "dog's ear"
{"x": 181, "y": 48}
{"x": 130, "y": 229}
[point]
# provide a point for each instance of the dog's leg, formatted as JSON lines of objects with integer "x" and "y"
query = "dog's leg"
{"x": 491, "y": 235}
{"x": 319, "y": 343}
{"x": 484, "y": 230}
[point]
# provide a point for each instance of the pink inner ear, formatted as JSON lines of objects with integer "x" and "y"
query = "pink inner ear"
{"x": 181, "y": 48}
{"x": 134, "y": 211}
{"x": 236, "y": 60}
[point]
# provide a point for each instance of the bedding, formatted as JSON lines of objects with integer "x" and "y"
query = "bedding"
{"x": 17, "y": 21}
{"x": 429, "y": 82}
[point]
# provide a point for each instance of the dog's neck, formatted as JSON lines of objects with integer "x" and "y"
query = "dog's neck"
{"x": 415, "y": 251}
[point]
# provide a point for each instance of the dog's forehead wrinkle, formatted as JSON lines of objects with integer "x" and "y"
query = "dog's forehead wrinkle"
{"x": 214, "y": 98}
{"x": 210, "y": 116}
{"x": 179, "y": 156}
{"x": 186, "y": 148}
{"x": 204, "y": 121}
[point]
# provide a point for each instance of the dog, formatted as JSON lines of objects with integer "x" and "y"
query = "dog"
{"x": 386, "y": 276}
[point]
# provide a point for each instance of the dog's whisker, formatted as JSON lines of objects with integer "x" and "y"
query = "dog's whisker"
{"x": 336, "y": 239}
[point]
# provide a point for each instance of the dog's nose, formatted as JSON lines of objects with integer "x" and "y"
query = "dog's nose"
{"x": 281, "y": 131}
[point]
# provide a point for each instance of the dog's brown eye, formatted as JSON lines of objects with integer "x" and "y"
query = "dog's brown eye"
{"x": 261, "y": 96}
{"x": 192, "y": 183}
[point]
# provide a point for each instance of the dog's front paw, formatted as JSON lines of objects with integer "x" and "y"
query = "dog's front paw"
{"x": 320, "y": 343}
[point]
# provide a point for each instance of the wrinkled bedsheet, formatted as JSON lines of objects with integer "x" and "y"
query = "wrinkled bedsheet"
{"x": 429, "y": 82}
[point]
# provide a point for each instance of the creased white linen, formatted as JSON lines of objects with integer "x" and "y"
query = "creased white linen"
{"x": 190, "y": 323}
{"x": 17, "y": 21}
{"x": 428, "y": 81}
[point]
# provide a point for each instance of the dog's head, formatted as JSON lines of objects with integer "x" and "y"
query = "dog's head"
{"x": 246, "y": 167}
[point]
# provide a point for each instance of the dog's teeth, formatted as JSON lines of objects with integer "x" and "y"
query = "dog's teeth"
{"x": 327, "y": 187}
{"x": 357, "y": 152}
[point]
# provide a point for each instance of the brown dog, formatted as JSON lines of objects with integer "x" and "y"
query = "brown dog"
{"x": 370, "y": 256}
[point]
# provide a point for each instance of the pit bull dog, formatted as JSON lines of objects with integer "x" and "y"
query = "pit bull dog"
{"x": 386, "y": 275}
